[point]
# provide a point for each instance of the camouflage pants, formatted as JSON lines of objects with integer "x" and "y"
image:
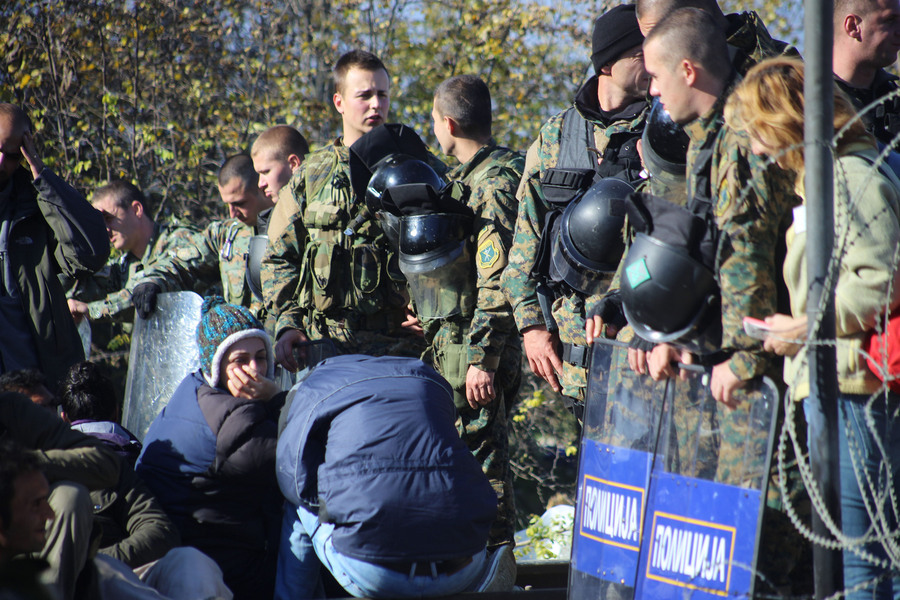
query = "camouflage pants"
{"x": 485, "y": 431}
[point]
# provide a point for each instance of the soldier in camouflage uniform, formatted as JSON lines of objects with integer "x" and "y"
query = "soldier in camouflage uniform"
{"x": 748, "y": 43}
{"x": 277, "y": 154}
{"x": 221, "y": 248}
{"x": 866, "y": 40}
{"x": 479, "y": 352}
{"x": 107, "y": 293}
{"x": 613, "y": 103}
{"x": 752, "y": 207}
{"x": 105, "y": 297}
{"x": 320, "y": 278}
{"x": 748, "y": 39}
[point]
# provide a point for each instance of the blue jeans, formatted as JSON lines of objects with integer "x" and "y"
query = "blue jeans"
{"x": 305, "y": 542}
{"x": 865, "y": 476}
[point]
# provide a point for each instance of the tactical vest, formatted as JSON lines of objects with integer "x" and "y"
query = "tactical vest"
{"x": 576, "y": 169}
{"x": 346, "y": 271}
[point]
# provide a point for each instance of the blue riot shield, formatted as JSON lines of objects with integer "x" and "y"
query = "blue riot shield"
{"x": 163, "y": 350}
{"x": 671, "y": 486}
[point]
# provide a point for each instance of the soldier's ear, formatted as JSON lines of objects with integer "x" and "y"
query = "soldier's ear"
{"x": 851, "y": 27}
{"x": 452, "y": 126}
{"x": 294, "y": 162}
{"x": 338, "y": 102}
{"x": 137, "y": 208}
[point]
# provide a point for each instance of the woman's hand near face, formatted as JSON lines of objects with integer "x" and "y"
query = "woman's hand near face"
{"x": 243, "y": 381}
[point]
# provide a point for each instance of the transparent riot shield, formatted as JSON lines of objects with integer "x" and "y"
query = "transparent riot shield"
{"x": 163, "y": 350}
{"x": 705, "y": 508}
{"x": 623, "y": 413}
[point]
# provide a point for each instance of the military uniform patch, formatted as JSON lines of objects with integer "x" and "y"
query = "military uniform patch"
{"x": 488, "y": 253}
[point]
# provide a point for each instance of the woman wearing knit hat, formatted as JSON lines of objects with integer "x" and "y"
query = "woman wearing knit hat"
{"x": 209, "y": 456}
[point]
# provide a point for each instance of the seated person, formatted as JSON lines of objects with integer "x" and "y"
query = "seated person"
{"x": 30, "y": 383}
{"x": 209, "y": 456}
{"x": 380, "y": 487}
{"x": 89, "y": 404}
{"x": 73, "y": 464}
{"x": 133, "y": 528}
{"x": 24, "y": 515}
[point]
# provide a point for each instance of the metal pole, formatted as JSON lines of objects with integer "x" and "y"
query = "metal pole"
{"x": 819, "y": 183}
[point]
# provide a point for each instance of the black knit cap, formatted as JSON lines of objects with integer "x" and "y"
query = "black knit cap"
{"x": 615, "y": 31}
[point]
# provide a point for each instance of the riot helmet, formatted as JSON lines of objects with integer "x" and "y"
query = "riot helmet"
{"x": 670, "y": 297}
{"x": 590, "y": 243}
{"x": 396, "y": 170}
{"x": 437, "y": 260}
{"x": 665, "y": 146}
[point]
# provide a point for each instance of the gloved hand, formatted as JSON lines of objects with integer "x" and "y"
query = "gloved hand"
{"x": 639, "y": 343}
{"x": 609, "y": 308}
{"x": 144, "y": 298}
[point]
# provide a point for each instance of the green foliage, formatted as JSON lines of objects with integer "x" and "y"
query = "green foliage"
{"x": 161, "y": 92}
{"x": 548, "y": 539}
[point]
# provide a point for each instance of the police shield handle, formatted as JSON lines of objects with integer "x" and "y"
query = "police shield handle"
{"x": 284, "y": 349}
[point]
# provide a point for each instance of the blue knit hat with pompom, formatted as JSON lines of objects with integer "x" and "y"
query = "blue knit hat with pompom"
{"x": 221, "y": 325}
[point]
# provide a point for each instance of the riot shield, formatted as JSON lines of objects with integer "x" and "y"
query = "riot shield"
{"x": 697, "y": 469}
{"x": 623, "y": 412}
{"x": 163, "y": 350}
{"x": 705, "y": 511}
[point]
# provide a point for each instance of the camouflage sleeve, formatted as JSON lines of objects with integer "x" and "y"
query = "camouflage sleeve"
{"x": 282, "y": 275}
{"x": 117, "y": 304}
{"x": 285, "y": 207}
{"x": 492, "y": 323}
{"x": 516, "y": 281}
{"x": 192, "y": 261}
{"x": 749, "y": 208}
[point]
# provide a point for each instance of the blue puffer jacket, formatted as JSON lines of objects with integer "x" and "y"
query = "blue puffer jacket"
{"x": 210, "y": 460}
{"x": 372, "y": 443}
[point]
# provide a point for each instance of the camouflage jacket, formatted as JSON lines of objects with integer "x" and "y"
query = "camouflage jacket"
{"x": 108, "y": 292}
{"x": 748, "y": 35}
{"x": 517, "y": 283}
{"x": 318, "y": 278}
{"x": 752, "y": 205}
{"x": 219, "y": 256}
{"x": 492, "y": 176}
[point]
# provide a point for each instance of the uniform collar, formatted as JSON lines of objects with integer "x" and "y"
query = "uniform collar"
{"x": 462, "y": 171}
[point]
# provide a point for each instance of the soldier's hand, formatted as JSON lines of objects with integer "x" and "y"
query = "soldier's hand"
{"x": 638, "y": 354}
{"x": 724, "y": 383}
{"x": 543, "y": 358}
{"x": 78, "y": 309}
{"x": 661, "y": 362}
{"x": 479, "y": 387}
{"x": 412, "y": 323}
{"x": 593, "y": 328}
{"x": 284, "y": 349}
{"x": 144, "y": 298}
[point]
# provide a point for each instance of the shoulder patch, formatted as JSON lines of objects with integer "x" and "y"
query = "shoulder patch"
{"x": 488, "y": 253}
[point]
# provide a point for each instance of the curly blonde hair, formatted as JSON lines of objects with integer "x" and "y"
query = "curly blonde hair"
{"x": 768, "y": 106}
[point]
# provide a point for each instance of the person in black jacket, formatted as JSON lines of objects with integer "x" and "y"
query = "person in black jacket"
{"x": 209, "y": 456}
{"x": 46, "y": 228}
